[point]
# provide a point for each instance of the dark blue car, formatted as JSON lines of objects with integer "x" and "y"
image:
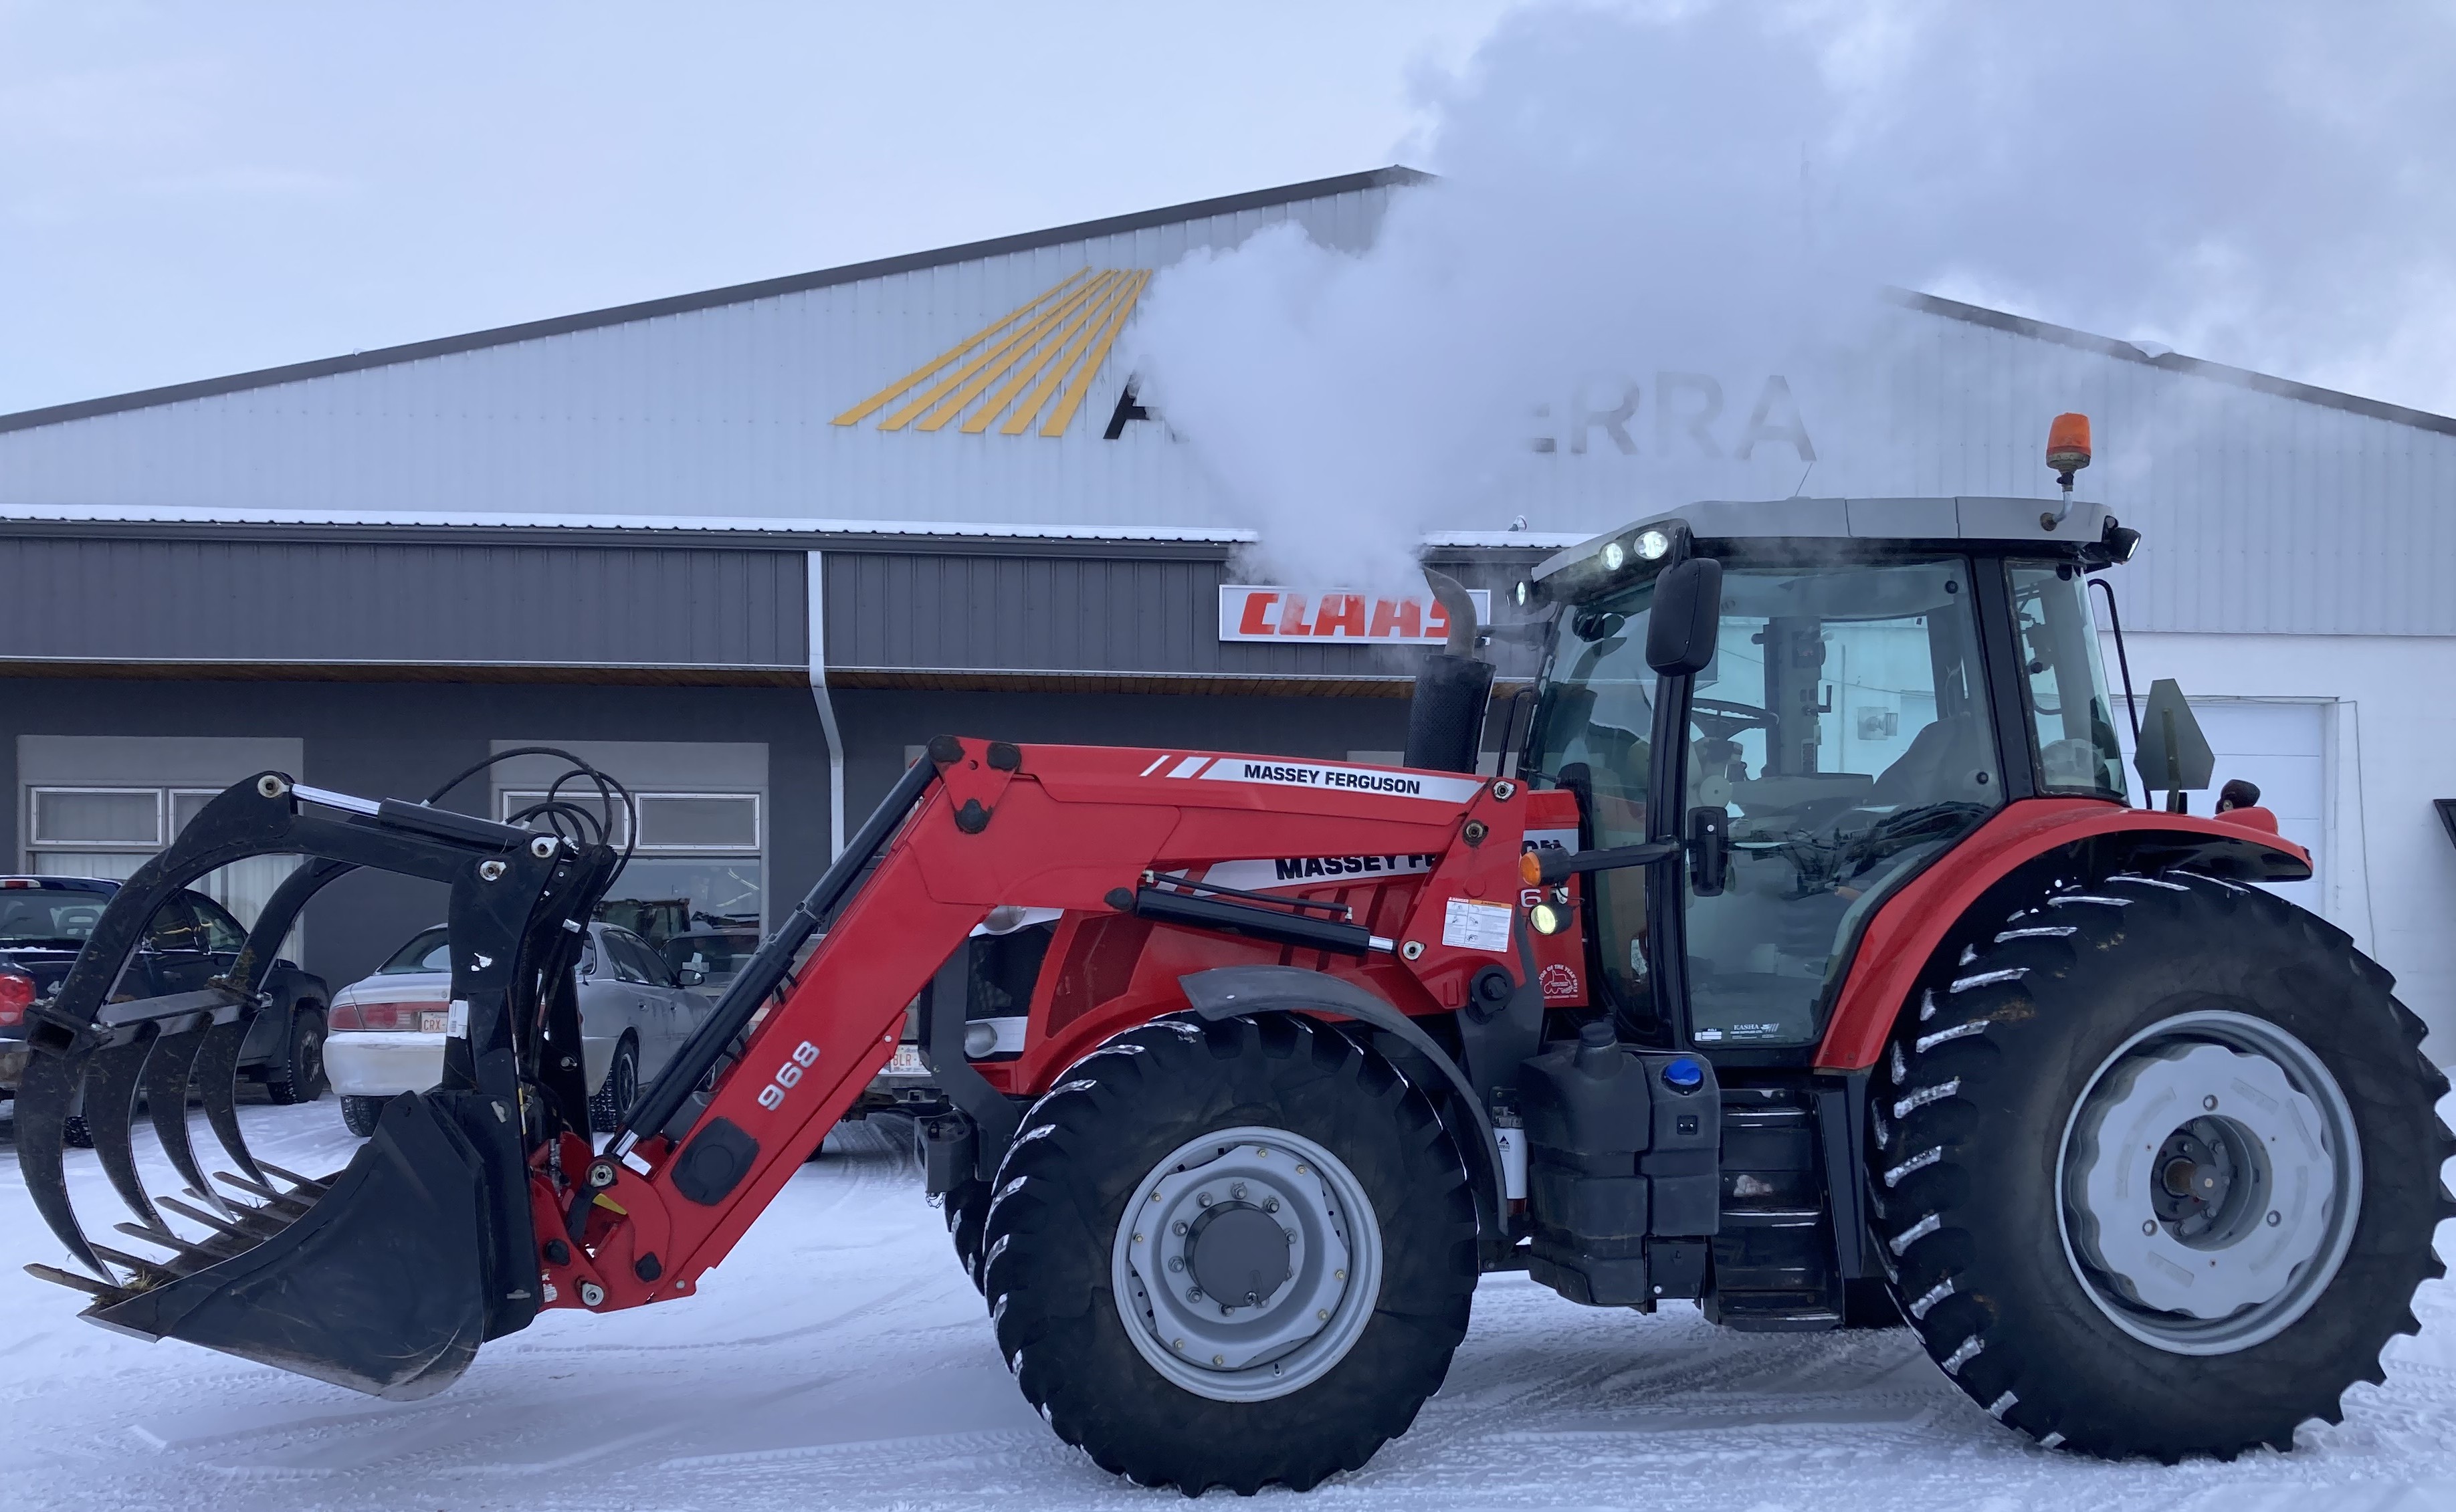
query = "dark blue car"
{"x": 44, "y": 922}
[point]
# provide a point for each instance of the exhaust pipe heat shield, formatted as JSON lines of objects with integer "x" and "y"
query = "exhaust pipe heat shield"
{"x": 379, "y": 1287}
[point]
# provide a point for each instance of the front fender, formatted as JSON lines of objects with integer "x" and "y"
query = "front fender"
{"x": 1234, "y": 992}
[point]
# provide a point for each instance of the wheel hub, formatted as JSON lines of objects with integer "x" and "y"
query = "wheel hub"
{"x": 1239, "y": 1254}
{"x": 2208, "y": 1176}
{"x": 1247, "y": 1264}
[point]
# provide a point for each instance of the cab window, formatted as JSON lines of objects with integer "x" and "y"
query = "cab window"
{"x": 2065, "y": 682}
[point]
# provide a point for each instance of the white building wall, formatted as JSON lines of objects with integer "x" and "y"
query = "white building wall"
{"x": 2387, "y": 749}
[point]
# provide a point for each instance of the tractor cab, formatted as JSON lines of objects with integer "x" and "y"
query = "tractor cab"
{"x": 1814, "y": 698}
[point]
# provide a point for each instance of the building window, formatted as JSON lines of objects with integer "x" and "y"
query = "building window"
{"x": 695, "y": 885}
{"x": 111, "y": 831}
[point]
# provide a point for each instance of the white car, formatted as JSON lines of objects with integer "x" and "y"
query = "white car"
{"x": 387, "y": 1031}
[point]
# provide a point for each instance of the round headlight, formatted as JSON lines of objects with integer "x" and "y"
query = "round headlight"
{"x": 1525, "y": 591}
{"x": 1653, "y": 544}
{"x": 1613, "y": 556}
{"x": 1549, "y": 918}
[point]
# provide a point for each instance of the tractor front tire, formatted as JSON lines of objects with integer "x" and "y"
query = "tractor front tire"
{"x": 2157, "y": 1166}
{"x": 1299, "y": 1178}
{"x": 966, "y": 1206}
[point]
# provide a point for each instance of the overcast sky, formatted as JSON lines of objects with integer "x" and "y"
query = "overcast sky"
{"x": 188, "y": 190}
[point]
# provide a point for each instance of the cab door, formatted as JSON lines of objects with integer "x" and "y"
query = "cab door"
{"x": 1839, "y": 741}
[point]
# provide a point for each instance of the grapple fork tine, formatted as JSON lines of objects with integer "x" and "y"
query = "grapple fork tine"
{"x": 166, "y": 1102}
{"x": 307, "y": 1184}
{"x": 111, "y": 1081}
{"x": 215, "y": 1078}
{"x": 45, "y": 1094}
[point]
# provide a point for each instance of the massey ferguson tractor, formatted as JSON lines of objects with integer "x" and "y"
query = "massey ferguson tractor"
{"x": 1805, "y": 962}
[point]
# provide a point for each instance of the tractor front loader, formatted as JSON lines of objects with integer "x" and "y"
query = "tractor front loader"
{"x": 1805, "y": 962}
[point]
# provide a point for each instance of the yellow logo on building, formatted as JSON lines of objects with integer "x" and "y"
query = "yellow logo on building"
{"x": 1041, "y": 357}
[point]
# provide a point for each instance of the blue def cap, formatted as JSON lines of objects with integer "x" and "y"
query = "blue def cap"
{"x": 1683, "y": 1074}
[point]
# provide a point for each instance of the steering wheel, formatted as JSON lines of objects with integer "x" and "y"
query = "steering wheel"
{"x": 1721, "y": 719}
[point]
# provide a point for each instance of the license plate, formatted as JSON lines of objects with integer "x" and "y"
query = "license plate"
{"x": 432, "y": 1020}
{"x": 905, "y": 1062}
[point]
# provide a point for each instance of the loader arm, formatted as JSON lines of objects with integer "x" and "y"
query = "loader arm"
{"x": 977, "y": 826}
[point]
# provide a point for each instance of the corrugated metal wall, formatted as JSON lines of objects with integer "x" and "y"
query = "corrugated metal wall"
{"x": 722, "y": 411}
{"x": 2263, "y": 512}
{"x": 250, "y": 602}
{"x": 905, "y": 612}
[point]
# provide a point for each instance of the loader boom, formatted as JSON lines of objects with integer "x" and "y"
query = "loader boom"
{"x": 1073, "y": 827}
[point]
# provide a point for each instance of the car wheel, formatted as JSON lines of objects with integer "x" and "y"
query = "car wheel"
{"x": 361, "y": 1114}
{"x": 301, "y": 1078}
{"x": 608, "y": 1103}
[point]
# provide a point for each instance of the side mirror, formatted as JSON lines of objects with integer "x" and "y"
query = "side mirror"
{"x": 690, "y": 976}
{"x": 2174, "y": 754}
{"x": 1688, "y": 611}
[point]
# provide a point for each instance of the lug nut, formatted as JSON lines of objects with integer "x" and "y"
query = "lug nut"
{"x": 1195, "y": 1296}
{"x": 1218, "y": 1359}
{"x": 1237, "y": 1191}
{"x": 1178, "y": 1227}
{"x": 1204, "y": 1199}
{"x": 1176, "y": 1262}
{"x": 1270, "y": 1204}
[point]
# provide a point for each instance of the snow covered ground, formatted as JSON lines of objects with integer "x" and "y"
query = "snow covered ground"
{"x": 839, "y": 1360}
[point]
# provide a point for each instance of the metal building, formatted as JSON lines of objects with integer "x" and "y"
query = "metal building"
{"x": 750, "y": 546}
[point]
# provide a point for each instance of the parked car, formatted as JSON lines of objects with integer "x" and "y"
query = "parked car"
{"x": 44, "y": 922}
{"x": 388, "y": 1028}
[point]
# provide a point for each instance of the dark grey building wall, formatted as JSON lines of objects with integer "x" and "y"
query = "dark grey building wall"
{"x": 400, "y": 740}
{"x": 1051, "y": 613}
{"x": 87, "y": 598}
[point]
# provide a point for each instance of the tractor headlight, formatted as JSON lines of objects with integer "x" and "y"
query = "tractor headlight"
{"x": 1653, "y": 545}
{"x": 1613, "y": 556}
{"x": 1549, "y": 918}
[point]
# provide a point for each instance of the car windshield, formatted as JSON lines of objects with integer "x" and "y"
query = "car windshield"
{"x": 428, "y": 951}
{"x": 39, "y": 915}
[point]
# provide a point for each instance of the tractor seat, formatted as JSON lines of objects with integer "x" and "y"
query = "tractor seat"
{"x": 1941, "y": 765}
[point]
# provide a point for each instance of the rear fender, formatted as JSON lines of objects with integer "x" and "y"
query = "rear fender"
{"x": 2012, "y": 853}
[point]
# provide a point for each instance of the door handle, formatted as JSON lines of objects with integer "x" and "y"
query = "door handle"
{"x": 1710, "y": 852}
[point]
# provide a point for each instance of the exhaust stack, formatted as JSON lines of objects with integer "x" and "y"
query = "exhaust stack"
{"x": 1453, "y": 688}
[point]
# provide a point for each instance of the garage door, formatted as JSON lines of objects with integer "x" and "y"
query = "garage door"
{"x": 2278, "y": 749}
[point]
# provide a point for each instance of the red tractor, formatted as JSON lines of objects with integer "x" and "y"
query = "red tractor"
{"x": 1805, "y": 964}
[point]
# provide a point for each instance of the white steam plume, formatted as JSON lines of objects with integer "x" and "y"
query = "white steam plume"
{"x": 1697, "y": 204}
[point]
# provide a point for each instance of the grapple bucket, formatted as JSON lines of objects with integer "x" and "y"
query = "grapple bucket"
{"x": 387, "y": 1276}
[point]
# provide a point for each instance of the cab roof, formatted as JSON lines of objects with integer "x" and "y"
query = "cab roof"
{"x": 2009, "y": 522}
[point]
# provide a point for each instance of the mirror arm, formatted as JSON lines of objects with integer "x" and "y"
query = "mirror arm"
{"x": 1558, "y": 866}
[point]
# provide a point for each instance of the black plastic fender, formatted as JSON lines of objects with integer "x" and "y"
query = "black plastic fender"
{"x": 1232, "y": 992}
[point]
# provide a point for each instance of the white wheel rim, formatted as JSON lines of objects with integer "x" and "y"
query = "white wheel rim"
{"x": 2210, "y": 1177}
{"x": 1215, "y": 1198}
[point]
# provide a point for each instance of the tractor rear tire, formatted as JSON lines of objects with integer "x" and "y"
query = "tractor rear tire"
{"x": 1336, "y": 1145}
{"x": 2051, "y": 1271}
